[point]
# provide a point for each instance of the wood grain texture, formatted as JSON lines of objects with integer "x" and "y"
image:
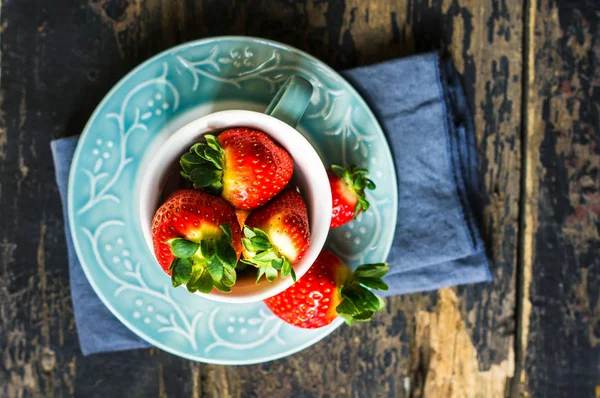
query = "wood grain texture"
{"x": 562, "y": 303}
{"x": 57, "y": 63}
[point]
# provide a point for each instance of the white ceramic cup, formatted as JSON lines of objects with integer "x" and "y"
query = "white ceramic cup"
{"x": 309, "y": 177}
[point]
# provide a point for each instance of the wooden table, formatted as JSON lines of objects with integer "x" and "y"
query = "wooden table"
{"x": 532, "y": 74}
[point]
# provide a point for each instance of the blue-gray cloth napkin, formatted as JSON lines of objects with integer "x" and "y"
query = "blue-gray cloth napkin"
{"x": 424, "y": 113}
{"x": 423, "y": 110}
{"x": 97, "y": 327}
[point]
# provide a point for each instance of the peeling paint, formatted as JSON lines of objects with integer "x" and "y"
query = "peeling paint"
{"x": 458, "y": 35}
{"x": 315, "y": 13}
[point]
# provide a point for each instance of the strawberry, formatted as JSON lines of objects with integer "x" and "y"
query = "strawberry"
{"x": 277, "y": 235}
{"x": 244, "y": 166}
{"x": 328, "y": 289}
{"x": 197, "y": 240}
{"x": 348, "y": 193}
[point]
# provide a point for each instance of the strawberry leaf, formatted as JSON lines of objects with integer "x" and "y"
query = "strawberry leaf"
{"x": 266, "y": 256}
{"x": 197, "y": 148}
{"x": 286, "y": 268}
{"x": 362, "y": 298}
{"x": 338, "y": 170}
{"x": 377, "y": 270}
{"x": 268, "y": 271}
{"x": 203, "y": 165}
{"x": 189, "y": 162}
{"x": 374, "y": 283}
{"x": 214, "y": 157}
{"x": 356, "y": 180}
{"x": 191, "y": 158}
{"x": 183, "y": 248}
{"x": 204, "y": 176}
{"x": 213, "y": 143}
{"x": 357, "y": 210}
{"x": 293, "y": 274}
{"x": 363, "y": 204}
{"x": 346, "y": 307}
{"x": 227, "y": 230}
{"x": 261, "y": 233}
{"x": 248, "y": 245}
{"x": 260, "y": 243}
{"x": 347, "y": 176}
{"x": 215, "y": 267}
{"x": 360, "y": 184}
{"x": 204, "y": 283}
{"x": 226, "y": 253}
{"x": 208, "y": 248}
{"x": 365, "y": 316}
{"x": 187, "y": 168}
{"x": 222, "y": 287}
{"x": 248, "y": 233}
{"x": 271, "y": 274}
{"x": 193, "y": 279}
{"x": 278, "y": 264}
{"x": 229, "y": 277}
{"x": 259, "y": 274}
{"x": 182, "y": 270}
{"x": 358, "y": 302}
{"x": 214, "y": 189}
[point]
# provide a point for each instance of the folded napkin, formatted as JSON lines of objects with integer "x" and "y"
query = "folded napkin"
{"x": 423, "y": 111}
{"x": 97, "y": 327}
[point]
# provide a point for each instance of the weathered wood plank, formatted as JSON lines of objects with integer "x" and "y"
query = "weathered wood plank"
{"x": 561, "y": 316}
{"x": 36, "y": 319}
{"x": 400, "y": 353}
{"x": 486, "y": 44}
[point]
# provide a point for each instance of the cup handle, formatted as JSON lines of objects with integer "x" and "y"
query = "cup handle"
{"x": 291, "y": 100}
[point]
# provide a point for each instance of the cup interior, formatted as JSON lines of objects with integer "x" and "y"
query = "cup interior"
{"x": 161, "y": 177}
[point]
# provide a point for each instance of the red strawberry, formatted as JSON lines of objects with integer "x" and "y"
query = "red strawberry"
{"x": 244, "y": 166}
{"x": 277, "y": 235}
{"x": 348, "y": 193}
{"x": 329, "y": 289}
{"x": 197, "y": 240}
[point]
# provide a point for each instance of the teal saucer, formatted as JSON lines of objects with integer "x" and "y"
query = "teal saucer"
{"x": 138, "y": 114}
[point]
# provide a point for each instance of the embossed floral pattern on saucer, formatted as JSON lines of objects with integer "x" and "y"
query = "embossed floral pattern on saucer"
{"x": 183, "y": 82}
